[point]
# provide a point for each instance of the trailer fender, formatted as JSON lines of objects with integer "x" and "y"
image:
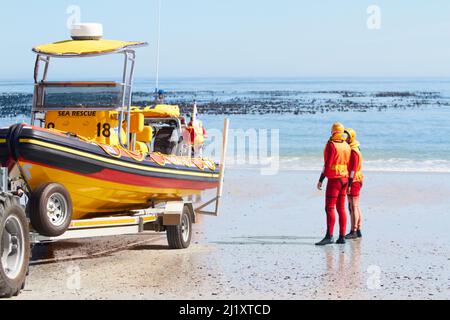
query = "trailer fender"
{"x": 172, "y": 213}
{"x": 174, "y": 210}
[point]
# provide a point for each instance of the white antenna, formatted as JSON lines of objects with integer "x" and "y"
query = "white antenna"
{"x": 157, "y": 46}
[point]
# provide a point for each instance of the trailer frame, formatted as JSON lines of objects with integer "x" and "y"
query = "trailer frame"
{"x": 132, "y": 222}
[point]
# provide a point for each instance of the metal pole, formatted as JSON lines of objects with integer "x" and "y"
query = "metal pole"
{"x": 226, "y": 123}
{"x": 36, "y": 68}
{"x": 157, "y": 46}
{"x": 216, "y": 199}
{"x": 130, "y": 84}
{"x": 124, "y": 88}
{"x": 38, "y": 94}
{"x": 4, "y": 180}
{"x": 47, "y": 62}
{"x": 35, "y": 92}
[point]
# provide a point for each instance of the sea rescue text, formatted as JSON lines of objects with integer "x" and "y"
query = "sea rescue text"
{"x": 77, "y": 113}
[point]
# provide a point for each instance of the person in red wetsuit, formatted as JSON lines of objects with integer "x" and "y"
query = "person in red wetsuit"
{"x": 197, "y": 137}
{"x": 336, "y": 159}
{"x": 355, "y": 183}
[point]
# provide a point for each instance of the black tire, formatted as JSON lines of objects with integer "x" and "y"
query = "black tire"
{"x": 13, "y": 215}
{"x": 40, "y": 220}
{"x": 175, "y": 236}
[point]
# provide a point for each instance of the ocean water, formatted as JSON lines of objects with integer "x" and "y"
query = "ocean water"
{"x": 412, "y": 139}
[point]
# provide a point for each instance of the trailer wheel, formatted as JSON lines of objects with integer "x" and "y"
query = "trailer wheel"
{"x": 179, "y": 237}
{"x": 14, "y": 246}
{"x": 50, "y": 209}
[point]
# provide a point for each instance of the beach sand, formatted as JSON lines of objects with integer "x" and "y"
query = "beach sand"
{"x": 261, "y": 246}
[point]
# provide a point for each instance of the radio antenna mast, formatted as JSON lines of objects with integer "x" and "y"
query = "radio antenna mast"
{"x": 157, "y": 46}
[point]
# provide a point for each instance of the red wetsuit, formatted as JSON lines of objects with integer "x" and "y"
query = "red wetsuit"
{"x": 336, "y": 185}
{"x": 354, "y": 169}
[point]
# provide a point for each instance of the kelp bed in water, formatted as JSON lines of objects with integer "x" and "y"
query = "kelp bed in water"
{"x": 261, "y": 102}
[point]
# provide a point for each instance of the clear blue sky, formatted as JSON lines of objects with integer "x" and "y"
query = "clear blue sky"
{"x": 242, "y": 38}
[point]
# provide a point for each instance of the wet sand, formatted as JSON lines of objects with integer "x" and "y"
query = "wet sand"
{"x": 262, "y": 247}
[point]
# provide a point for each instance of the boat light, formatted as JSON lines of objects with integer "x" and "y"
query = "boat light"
{"x": 86, "y": 31}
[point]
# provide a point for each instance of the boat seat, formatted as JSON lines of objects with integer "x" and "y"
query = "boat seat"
{"x": 144, "y": 138}
{"x": 142, "y": 147}
{"x": 136, "y": 127}
{"x": 145, "y": 135}
{"x": 136, "y": 123}
{"x": 165, "y": 140}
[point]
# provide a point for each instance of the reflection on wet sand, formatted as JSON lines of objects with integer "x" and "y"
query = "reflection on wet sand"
{"x": 343, "y": 275}
{"x": 174, "y": 272}
{"x": 268, "y": 240}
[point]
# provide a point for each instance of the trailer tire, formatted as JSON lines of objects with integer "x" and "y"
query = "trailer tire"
{"x": 14, "y": 246}
{"x": 50, "y": 209}
{"x": 179, "y": 237}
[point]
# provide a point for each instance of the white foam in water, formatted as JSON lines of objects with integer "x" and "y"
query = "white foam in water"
{"x": 380, "y": 165}
{"x": 408, "y": 165}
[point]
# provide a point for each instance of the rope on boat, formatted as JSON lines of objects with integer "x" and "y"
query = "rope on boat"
{"x": 159, "y": 158}
{"x": 110, "y": 150}
{"x": 138, "y": 156}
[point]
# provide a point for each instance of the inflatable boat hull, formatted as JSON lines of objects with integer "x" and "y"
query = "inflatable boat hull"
{"x": 98, "y": 181}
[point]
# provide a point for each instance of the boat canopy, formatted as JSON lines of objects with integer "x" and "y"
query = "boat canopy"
{"x": 81, "y": 48}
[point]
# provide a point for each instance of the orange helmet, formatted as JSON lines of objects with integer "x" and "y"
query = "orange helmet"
{"x": 351, "y": 135}
{"x": 337, "y": 128}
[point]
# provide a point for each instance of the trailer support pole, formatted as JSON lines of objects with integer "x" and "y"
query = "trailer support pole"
{"x": 216, "y": 199}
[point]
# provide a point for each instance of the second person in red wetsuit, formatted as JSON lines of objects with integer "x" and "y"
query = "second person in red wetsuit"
{"x": 336, "y": 159}
{"x": 355, "y": 183}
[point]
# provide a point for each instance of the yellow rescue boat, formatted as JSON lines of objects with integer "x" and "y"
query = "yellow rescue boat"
{"x": 88, "y": 152}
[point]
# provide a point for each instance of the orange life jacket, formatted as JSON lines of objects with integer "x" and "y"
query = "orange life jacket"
{"x": 358, "y": 174}
{"x": 337, "y": 168}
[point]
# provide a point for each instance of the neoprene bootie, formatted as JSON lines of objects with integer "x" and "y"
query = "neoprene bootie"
{"x": 340, "y": 240}
{"x": 358, "y": 233}
{"x": 351, "y": 235}
{"x": 327, "y": 240}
